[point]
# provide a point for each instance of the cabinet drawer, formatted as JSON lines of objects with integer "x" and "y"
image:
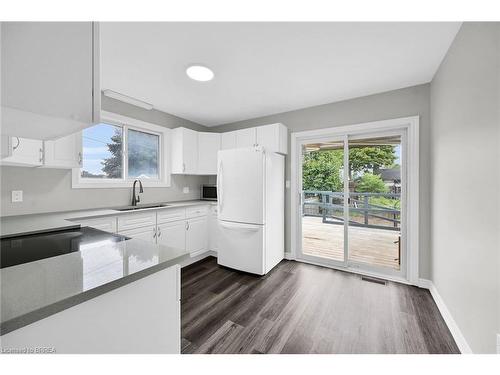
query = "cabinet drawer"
{"x": 107, "y": 224}
{"x": 171, "y": 214}
{"x": 136, "y": 220}
{"x": 196, "y": 211}
{"x": 147, "y": 234}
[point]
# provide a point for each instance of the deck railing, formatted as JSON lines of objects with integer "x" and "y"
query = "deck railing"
{"x": 363, "y": 208}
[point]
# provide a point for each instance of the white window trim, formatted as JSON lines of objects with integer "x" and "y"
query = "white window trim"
{"x": 134, "y": 124}
{"x": 411, "y": 124}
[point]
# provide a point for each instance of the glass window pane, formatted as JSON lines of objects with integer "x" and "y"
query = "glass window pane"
{"x": 323, "y": 200}
{"x": 143, "y": 154}
{"x": 102, "y": 152}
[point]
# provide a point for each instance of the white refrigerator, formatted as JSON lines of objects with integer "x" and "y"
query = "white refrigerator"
{"x": 251, "y": 205}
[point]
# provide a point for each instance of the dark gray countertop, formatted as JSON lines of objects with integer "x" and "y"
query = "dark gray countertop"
{"x": 36, "y": 290}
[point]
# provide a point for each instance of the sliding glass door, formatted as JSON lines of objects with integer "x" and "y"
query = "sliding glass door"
{"x": 352, "y": 202}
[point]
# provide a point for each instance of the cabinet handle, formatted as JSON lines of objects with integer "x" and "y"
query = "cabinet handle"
{"x": 80, "y": 159}
{"x": 17, "y": 145}
{"x": 41, "y": 155}
{"x": 183, "y": 167}
{"x": 154, "y": 232}
{"x": 159, "y": 232}
{"x": 187, "y": 225}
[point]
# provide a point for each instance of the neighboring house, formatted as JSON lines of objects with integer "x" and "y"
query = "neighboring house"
{"x": 392, "y": 179}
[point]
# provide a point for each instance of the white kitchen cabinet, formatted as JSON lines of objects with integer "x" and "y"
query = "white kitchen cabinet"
{"x": 18, "y": 151}
{"x": 208, "y": 146}
{"x": 196, "y": 236}
{"x": 172, "y": 234}
{"x": 107, "y": 223}
{"x": 65, "y": 152}
{"x": 170, "y": 214}
{"x": 228, "y": 140}
{"x": 196, "y": 211}
{"x": 147, "y": 234}
{"x": 213, "y": 229}
{"x": 136, "y": 220}
{"x": 246, "y": 137}
{"x": 184, "y": 151}
{"x": 273, "y": 137}
{"x": 50, "y": 78}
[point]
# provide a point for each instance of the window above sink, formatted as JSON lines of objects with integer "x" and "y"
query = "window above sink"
{"x": 119, "y": 150}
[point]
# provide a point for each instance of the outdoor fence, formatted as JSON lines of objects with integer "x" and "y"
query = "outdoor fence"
{"x": 365, "y": 209}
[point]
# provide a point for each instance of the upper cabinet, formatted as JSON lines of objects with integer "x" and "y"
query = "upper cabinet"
{"x": 50, "y": 78}
{"x": 17, "y": 151}
{"x": 273, "y": 137}
{"x": 208, "y": 146}
{"x": 184, "y": 148}
{"x": 228, "y": 140}
{"x": 246, "y": 138}
{"x": 65, "y": 152}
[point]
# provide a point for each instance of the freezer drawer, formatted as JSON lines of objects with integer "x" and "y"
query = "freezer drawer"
{"x": 241, "y": 246}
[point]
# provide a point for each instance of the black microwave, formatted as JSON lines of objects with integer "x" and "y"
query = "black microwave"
{"x": 209, "y": 192}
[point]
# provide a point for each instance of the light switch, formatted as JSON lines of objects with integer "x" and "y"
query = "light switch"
{"x": 17, "y": 196}
{"x": 185, "y": 189}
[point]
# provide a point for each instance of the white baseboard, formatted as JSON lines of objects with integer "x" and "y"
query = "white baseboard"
{"x": 462, "y": 344}
{"x": 199, "y": 257}
{"x": 289, "y": 256}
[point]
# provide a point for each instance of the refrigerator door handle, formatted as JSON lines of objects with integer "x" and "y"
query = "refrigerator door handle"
{"x": 241, "y": 227}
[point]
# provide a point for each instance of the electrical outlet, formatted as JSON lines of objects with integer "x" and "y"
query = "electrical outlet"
{"x": 17, "y": 196}
{"x": 185, "y": 189}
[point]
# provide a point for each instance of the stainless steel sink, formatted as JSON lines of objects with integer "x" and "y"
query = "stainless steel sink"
{"x": 140, "y": 207}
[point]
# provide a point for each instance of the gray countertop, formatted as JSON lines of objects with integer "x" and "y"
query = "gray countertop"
{"x": 29, "y": 224}
{"x": 35, "y": 290}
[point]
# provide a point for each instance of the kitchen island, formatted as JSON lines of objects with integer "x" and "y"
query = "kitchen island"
{"x": 108, "y": 297}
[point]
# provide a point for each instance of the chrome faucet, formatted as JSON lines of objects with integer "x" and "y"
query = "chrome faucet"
{"x": 135, "y": 198}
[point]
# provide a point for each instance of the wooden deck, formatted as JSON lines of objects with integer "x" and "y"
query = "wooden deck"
{"x": 367, "y": 245}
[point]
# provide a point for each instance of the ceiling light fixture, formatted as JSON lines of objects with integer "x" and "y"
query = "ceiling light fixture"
{"x": 200, "y": 73}
{"x": 127, "y": 99}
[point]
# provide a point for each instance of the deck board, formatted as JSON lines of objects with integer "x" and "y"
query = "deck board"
{"x": 367, "y": 245}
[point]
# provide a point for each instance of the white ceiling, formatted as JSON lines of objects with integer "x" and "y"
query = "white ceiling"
{"x": 266, "y": 68}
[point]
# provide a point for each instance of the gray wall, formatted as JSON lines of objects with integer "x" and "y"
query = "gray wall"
{"x": 465, "y": 177}
{"x": 48, "y": 190}
{"x": 393, "y": 104}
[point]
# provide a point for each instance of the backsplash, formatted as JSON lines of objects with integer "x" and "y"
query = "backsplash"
{"x": 49, "y": 190}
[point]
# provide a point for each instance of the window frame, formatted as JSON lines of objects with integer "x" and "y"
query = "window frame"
{"x": 127, "y": 123}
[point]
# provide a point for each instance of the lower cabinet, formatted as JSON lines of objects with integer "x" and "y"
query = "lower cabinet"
{"x": 147, "y": 234}
{"x": 172, "y": 234}
{"x": 196, "y": 235}
{"x": 107, "y": 223}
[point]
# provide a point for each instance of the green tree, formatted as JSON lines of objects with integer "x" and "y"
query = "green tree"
{"x": 370, "y": 159}
{"x": 112, "y": 166}
{"x": 370, "y": 183}
{"x": 321, "y": 170}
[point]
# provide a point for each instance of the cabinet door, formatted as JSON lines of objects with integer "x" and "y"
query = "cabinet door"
{"x": 64, "y": 152}
{"x": 107, "y": 224}
{"x": 49, "y": 78}
{"x": 213, "y": 230}
{"x": 196, "y": 236}
{"x": 246, "y": 138}
{"x": 22, "y": 151}
{"x": 273, "y": 137}
{"x": 172, "y": 234}
{"x": 147, "y": 234}
{"x": 228, "y": 140}
{"x": 208, "y": 146}
{"x": 184, "y": 151}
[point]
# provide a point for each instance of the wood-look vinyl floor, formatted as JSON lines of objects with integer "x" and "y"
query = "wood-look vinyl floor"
{"x": 302, "y": 308}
